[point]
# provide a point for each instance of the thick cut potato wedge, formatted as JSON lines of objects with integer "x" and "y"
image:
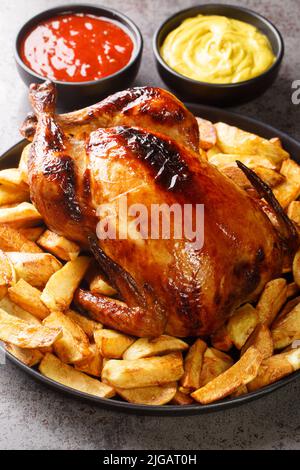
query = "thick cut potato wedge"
{"x": 214, "y": 363}
{"x": 275, "y": 368}
{"x": 271, "y": 177}
{"x": 59, "y": 246}
{"x": 22, "y": 215}
{"x": 145, "y": 347}
{"x": 241, "y": 373}
{"x": 88, "y": 326}
{"x": 156, "y": 395}
{"x": 92, "y": 365}
{"x": 13, "y": 240}
{"x": 242, "y": 390}
{"x": 224, "y": 160}
{"x": 56, "y": 370}
{"x": 221, "y": 339}
{"x": 32, "y": 234}
{"x": 73, "y": 346}
{"x": 261, "y": 339}
{"x": 143, "y": 372}
{"x": 207, "y": 134}
{"x": 294, "y": 212}
{"x": 12, "y": 195}
{"x": 34, "y": 268}
{"x": 237, "y": 176}
{"x": 60, "y": 288}
{"x": 242, "y": 324}
{"x": 28, "y": 298}
{"x": 12, "y": 177}
{"x": 296, "y": 268}
{"x": 182, "y": 399}
{"x": 112, "y": 344}
{"x": 289, "y": 190}
{"x": 193, "y": 365}
{"x": 271, "y": 300}
{"x": 230, "y": 139}
{"x": 7, "y": 271}
{"x": 8, "y": 306}
{"x": 29, "y": 357}
{"x": 286, "y": 327}
{"x": 23, "y": 163}
{"x": 98, "y": 285}
{"x": 26, "y": 335}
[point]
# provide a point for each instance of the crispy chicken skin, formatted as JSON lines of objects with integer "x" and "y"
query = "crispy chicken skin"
{"x": 143, "y": 143}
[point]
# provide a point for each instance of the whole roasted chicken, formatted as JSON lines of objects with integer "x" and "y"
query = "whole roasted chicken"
{"x": 143, "y": 143}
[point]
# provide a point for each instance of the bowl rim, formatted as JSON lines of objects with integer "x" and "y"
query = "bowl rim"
{"x": 230, "y": 7}
{"x": 132, "y": 28}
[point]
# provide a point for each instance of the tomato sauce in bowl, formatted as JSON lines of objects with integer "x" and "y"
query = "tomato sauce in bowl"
{"x": 76, "y": 47}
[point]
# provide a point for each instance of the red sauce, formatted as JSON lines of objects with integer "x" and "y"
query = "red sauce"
{"x": 76, "y": 48}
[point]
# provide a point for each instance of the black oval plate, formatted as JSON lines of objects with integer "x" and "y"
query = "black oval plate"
{"x": 11, "y": 158}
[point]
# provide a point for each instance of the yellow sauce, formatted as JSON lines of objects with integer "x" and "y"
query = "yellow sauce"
{"x": 216, "y": 49}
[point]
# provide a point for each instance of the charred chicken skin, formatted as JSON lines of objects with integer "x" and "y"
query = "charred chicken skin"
{"x": 143, "y": 143}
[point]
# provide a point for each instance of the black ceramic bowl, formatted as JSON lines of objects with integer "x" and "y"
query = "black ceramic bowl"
{"x": 75, "y": 94}
{"x": 219, "y": 94}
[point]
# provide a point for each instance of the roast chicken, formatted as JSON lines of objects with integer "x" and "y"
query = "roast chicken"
{"x": 143, "y": 143}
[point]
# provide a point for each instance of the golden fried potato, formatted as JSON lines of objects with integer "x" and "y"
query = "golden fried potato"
{"x": 23, "y": 163}
{"x": 7, "y": 273}
{"x": 13, "y": 240}
{"x": 224, "y": 160}
{"x": 98, "y": 285}
{"x": 214, "y": 363}
{"x": 237, "y": 176}
{"x": 240, "y": 391}
{"x": 193, "y": 365}
{"x": 92, "y": 365}
{"x": 16, "y": 311}
{"x": 24, "y": 334}
{"x": 34, "y": 268}
{"x": 241, "y": 373}
{"x": 269, "y": 176}
{"x": 143, "y": 372}
{"x": 88, "y": 326}
{"x": 32, "y": 234}
{"x": 22, "y": 215}
{"x": 12, "y": 177}
{"x": 292, "y": 289}
{"x": 56, "y": 370}
{"x": 242, "y": 324}
{"x": 12, "y": 195}
{"x": 207, "y": 134}
{"x": 73, "y": 345}
{"x": 28, "y": 298}
{"x": 294, "y": 212}
{"x": 296, "y": 268}
{"x": 29, "y": 357}
{"x": 289, "y": 190}
{"x": 59, "y": 246}
{"x": 153, "y": 396}
{"x": 261, "y": 339}
{"x": 146, "y": 347}
{"x": 236, "y": 141}
{"x": 286, "y": 327}
{"x": 275, "y": 368}
{"x": 112, "y": 344}
{"x": 271, "y": 300}
{"x": 221, "y": 339}
{"x": 181, "y": 399}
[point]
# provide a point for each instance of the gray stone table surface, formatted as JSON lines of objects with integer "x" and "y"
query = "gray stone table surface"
{"x": 35, "y": 417}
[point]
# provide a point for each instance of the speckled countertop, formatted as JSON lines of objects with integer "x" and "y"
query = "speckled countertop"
{"x": 35, "y": 417}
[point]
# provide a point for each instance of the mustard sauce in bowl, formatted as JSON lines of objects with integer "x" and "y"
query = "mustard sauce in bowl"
{"x": 216, "y": 49}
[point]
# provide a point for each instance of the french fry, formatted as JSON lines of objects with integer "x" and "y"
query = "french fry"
{"x": 296, "y": 268}
{"x": 13, "y": 240}
{"x": 152, "y": 396}
{"x": 98, "y": 285}
{"x": 12, "y": 195}
{"x": 237, "y": 176}
{"x": 34, "y": 268}
{"x": 221, "y": 339}
{"x": 271, "y": 300}
{"x": 59, "y": 290}
{"x": 269, "y": 176}
{"x": 145, "y": 347}
{"x": 286, "y": 327}
{"x": 22, "y": 215}
{"x": 59, "y": 246}
{"x": 23, "y": 168}
{"x": 32, "y": 234}
{"x": 28, "y": 298}
{"x": 236, "y": 141}
{"x": 261, "y": 339}
{"x": 29, "y": 357}
{"x": 276, "y": 141}
{"x": 26, "y": 335}
{"x": 275, "y": 368}
{"x": 16, "y": 311}
{"x": 88, "y": 326}
{"x": 240, "y": 391}
{"x": 92, "y": 365}
{"x": 12, "y": 177}
{"x": 73, "y": 345}
{"x": 207, "y": 134}
{"x": 146, "y": 372}
{"x": 181, "y": 399}
{"x": 242, "y": 324}
{"x": 56, "y": 370}
{"x": 214, "y": 363}
{"x": 112, "y": 344}
{"x": 224, "y": 160}
{"x": 289, "y": 190}
{"x": 294, "y": 212}
{"x": 7, "y": 274}
{"x": 193, "y": 365}
{"x": 292, "y": 290}
{"x": 241, "y": 373}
